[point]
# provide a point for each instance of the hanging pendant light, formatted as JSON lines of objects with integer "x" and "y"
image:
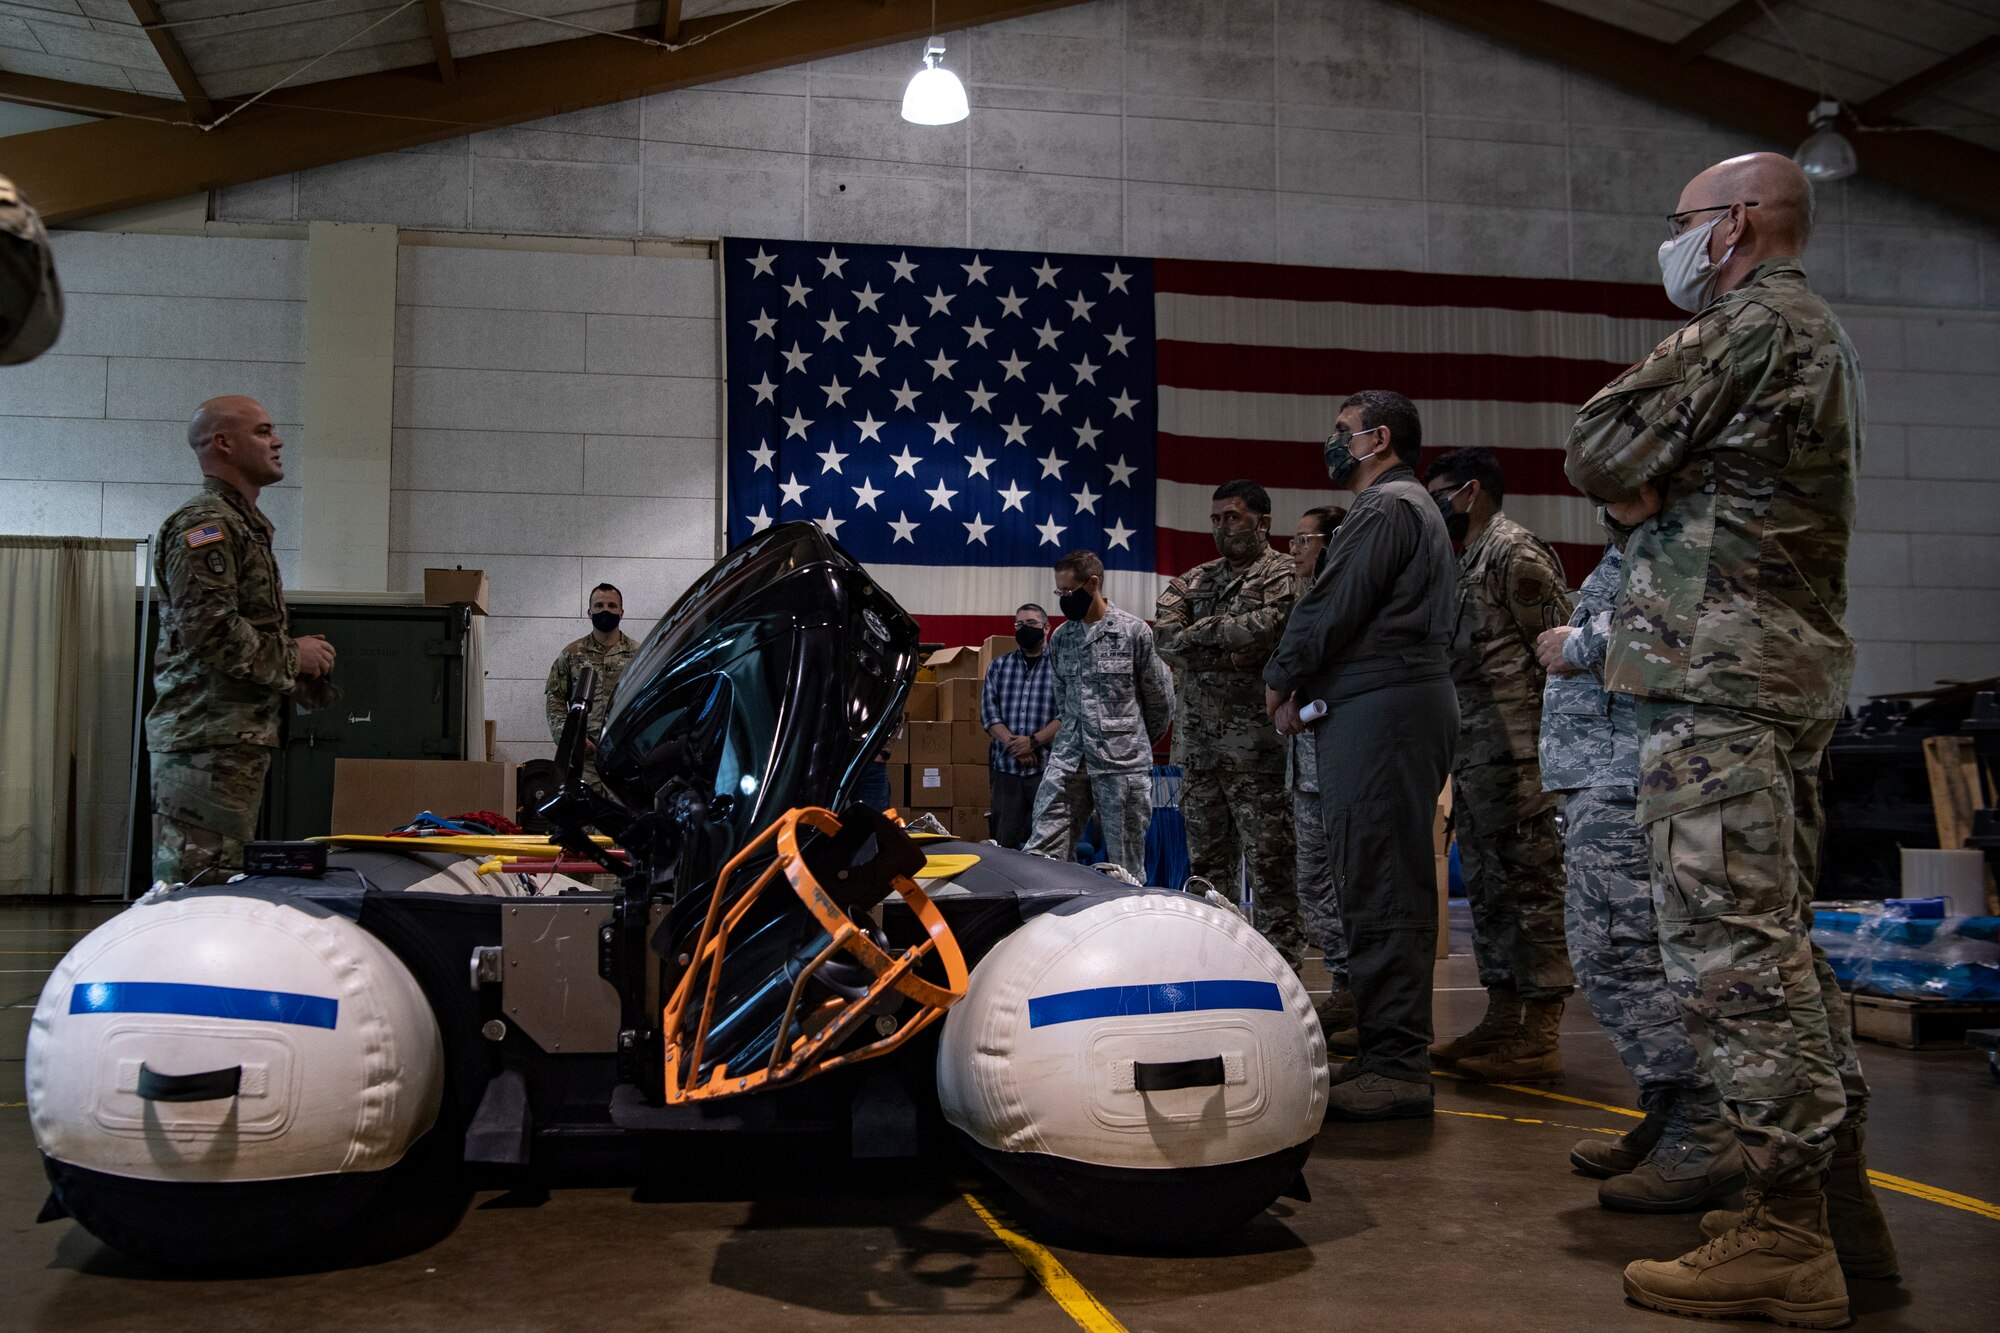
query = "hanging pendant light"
{"x": 1825, "y": 155}
{"x": 935, "y": 96}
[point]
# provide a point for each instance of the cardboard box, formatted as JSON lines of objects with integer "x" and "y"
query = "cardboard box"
{"x": 930, "y": 785}
{"x": 899, "y": 747}
{"x": 969, "y": 742}
{"x": 930, "y": 742}
{"x": 442, "y": 587}
{"x": 971, "y": 784}
{"x": 922, "y": 705}
{"x": 996, "y": 647}
{"x": 954, "y": 664}
{"x": 969, "y": 822}
{"x": 958, "y": 701}
{"x": 377, "y": 795}
{"x": 899, "y": 784}
{"x": 492, "y": 739}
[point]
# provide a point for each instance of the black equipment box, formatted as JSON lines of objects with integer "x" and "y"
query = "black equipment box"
{"x": 285, "y": 858}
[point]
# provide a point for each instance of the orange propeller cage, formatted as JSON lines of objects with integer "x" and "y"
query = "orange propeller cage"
{"x": 799, "y": 1057}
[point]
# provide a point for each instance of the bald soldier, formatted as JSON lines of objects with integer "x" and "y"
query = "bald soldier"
{"x": 1729, "y": 456}
{"x": 225, "y": 666}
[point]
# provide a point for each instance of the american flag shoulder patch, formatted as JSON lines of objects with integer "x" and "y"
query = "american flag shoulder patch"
{"x": 202, "y": 536}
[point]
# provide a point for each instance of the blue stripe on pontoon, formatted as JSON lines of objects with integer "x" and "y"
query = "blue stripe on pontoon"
{"x": 1173, "y": 997}
{"x": 171, "y": 997}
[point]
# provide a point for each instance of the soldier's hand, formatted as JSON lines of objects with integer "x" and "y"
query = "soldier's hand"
{"x": 1549, "y": 648}
{"x": 1272, "y": 701}
{"x": 1287, "y": 718}
{"x": 315, "y": 655}
{"x": 1631, "y": 513}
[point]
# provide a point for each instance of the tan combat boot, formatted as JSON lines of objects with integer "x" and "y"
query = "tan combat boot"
{"x": 1501, "y": 1023}
{"x": 1860, "y": 1231}
{"x": 1534, "y": 1055}
{"x": 1778, "y": 1265}
{"x": 1604, "y": 1158}
{"x": 1696, "y": 1161}
{"x": 1337, "y": 1021}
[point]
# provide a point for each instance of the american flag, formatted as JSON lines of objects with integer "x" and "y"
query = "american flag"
{"x": 959, "y": 419}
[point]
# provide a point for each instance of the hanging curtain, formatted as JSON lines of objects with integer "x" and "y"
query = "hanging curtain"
{"x": 67, "y": 645}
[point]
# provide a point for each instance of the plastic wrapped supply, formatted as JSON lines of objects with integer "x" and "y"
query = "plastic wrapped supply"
{"x": 1910, "y": 956}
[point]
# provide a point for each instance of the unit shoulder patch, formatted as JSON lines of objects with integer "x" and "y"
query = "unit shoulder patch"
{"x": 203, "y": 536}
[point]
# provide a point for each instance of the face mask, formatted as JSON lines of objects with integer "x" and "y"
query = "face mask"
{"x": 1684, "y": 268}
{"x": 1240, "y": 546}
{"x": 1029, "y": 637}
{"x": 1075, "y": 603}
{"x": 1341, "y": 460}
{"x": 1455, "y": 523}
{"x": 605, "y": 621}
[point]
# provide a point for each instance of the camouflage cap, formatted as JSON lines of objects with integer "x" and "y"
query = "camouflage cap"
{"x": 31, "y": 308}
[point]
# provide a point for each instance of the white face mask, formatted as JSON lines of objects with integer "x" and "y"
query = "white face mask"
{"x": 1684, "y": 268}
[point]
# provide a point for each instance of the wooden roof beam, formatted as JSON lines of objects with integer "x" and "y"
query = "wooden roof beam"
{"x": 670, "y": 21}
{"x": 1924, "y": 82}
{"x": 440, "y": 40}
{"x": 87, "y": 99}
{"x": 1954, "y": 172}
{"x": 80, "y": 170}
{"x": 175, "y": 59}
{"x": 1722, "y": 25}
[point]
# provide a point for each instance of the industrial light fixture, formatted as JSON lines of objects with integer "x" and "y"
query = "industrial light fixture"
{"x": 935, "y": 96}
{"x": 1825, "y": 155}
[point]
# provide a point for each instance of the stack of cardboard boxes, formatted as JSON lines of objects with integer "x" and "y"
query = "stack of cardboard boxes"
{"x": 938, "y": 763}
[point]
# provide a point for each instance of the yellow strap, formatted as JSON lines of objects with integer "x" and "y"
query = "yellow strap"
{"x": 944, "y": 867}
{"x": 462, "y": 844}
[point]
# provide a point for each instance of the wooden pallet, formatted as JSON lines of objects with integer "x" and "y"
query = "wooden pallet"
{"x": 1920, "y": 1025}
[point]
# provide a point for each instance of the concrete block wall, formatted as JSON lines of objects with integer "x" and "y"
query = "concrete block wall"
{"x": 555, "y": 425}
{"x": 93, "y": 435}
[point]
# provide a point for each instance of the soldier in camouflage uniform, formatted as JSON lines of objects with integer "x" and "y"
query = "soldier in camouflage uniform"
{"x": 1510, "y": 589}
{"x": 1114, "y": 700}
{"x": 1731, "y": 451}
{"x": 225, "y": 665}
{"x": 1216, "y": 626}
{"x": 606, "y": 648}
{"x": 1683, "y": 1154}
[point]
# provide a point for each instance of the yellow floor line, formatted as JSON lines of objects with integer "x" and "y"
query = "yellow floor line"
{"x": 1075, "y": 1299}
{"x": 1916, "y": 1189}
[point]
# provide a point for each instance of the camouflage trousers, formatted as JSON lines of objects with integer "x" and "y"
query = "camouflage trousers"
{"x": 205, "y": 805}
{"x": 1319, "y": 905}
{"x": 1731, "y": 800}
{"x": 1614, "y": 941}
{"x": 1240, "y": 823}
{"x": 1124, "y": 806}
{"x": 1512, "y": 863}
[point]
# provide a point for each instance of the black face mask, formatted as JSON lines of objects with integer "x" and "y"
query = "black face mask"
{"x": 1029, "y": 637}
{"x": 1075, "y": 603}
{"x": 1340, "y": 458}
{"x": 1455, "y": 523}
{"x": 605, "y": 621}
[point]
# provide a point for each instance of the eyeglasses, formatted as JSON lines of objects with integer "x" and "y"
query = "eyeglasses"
{"x": 1308, "y": 536}
{"x": 1676, "y": 223}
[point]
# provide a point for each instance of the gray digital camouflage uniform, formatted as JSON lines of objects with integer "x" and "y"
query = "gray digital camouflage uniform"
{"x": 1510, "y": 589}
{"x": 1216, "y": 626}
{"x": 1319, "y": 904}
{"x": 1728, "y": 633}
{"x": 222, "y": 673}
{"x": 1590, "y": 752}
{"x": 1114, "y": 699}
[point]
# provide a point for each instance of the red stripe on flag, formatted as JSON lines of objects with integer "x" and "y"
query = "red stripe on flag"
{"x": 1290, "y": 282}
{"x": 1296, "y": 465}
{"x": 960, "y": 631}
{"x": 1420, "y": 375}
{"x": 1176, "y": 551}
{"x": 1578, "y": 560}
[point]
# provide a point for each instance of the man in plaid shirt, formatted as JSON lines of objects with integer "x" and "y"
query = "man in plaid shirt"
{"x": 1018, "y": 710}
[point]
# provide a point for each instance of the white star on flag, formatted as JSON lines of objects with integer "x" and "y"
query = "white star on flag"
{"x": 977, "y": 462}
{"x": 865, "y": 495}
{"x": 869, "y": 361}
{"x": 830, "y": 523}
{"x": 1017, "y": 430}
{"x": 1051, "y": 400}
{"x": 795, "y": 360}
{"x": 906, "y": 398}
{"x": 763, "y": 454}
{"x": 976, "y": 530}
{"x": 940, "y": 302}
{"x": 1011, "y": 304}
{"x": 975, "y": 333}
{"x": 941, "y": 496}
{"x": 1014, "y": 366}
{"x": 764, "y": 389}
{"x": 1119, "y": 535}
{"x": 1086, "y": 499}
{"x": 1122, "y": 405}
{"x": 1117, "y": 277}
{"x": 794, "y": 489}
{"x": 906, "y": 462}
{"x": 796, "y": 292}
{"x": 904, "y": 268}
{"x": 1051, "y": 531}
{"x": 1045, "y": 274}
{"x": 941, "y": 365}
{"x": 1052, "y": 464}
{"x": 867, "y": 298}
{"x": 1011, "y": 497}
{"x": 831, "y": 326}
{"x": 761, "y": 519}
{"x": 981, "y": 396}
{"x": 760, "y": 264}
{"x": 976, "y": 271}
{"x": 1119, "y": 342}
{"x": 766, "y": 324}
{"x": 905, "y": 333}
{"x": 835, "y": 392}
{"x": 1121, "y": 472}
{"x": 1080, "y": 308}
{"x": 1046, "y": 335}
{"x": 831, "y": 265}
{"x": 796, "y": 424}
{"x": 830, "y": 459}
{"x": 870, "y": 428}
{"x": 904, "y": 526}
{"x": 1086, "y": 435}
{"x": 941, "y": 430}
{"x": 1086, "y": 370}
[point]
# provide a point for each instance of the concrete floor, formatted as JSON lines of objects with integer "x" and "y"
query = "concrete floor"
{"x": 1471, "y": 1222}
